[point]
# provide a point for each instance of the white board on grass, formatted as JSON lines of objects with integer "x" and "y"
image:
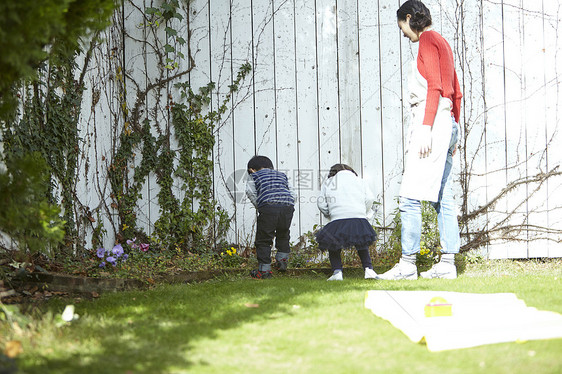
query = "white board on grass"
{"x": 477, "y": 319}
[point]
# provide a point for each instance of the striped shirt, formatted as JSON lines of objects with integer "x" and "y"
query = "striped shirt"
{"x": 269, "y": 187}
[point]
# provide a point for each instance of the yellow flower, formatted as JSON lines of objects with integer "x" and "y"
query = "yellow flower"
{"x": 233, "y": 250}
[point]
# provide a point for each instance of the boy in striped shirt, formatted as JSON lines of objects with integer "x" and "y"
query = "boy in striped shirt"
{"x": 274, "y": 198}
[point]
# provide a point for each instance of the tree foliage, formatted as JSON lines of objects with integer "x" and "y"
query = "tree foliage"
{"x": 36, "y": 36}
{"x": 33, "y": 31}
{"x": 26, "y": 215}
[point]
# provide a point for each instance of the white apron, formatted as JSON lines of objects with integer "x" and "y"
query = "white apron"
{"x": 422, "y": 176}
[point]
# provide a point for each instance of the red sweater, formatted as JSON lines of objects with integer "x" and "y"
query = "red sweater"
{"x": 436, "y": 65}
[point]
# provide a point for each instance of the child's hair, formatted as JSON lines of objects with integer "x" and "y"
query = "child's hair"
{"x": 259, "y": 162}
{"x": 339, "y": 167}
{"x": 421, "y": 17}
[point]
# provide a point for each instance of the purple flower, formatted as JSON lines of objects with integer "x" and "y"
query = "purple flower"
{"x": 117, "y": 250}
{"x": 144, "y": 247}
{"x": 132, "y": 244}
{"x": 125, "y": 256}
{"x": 112, "y": 260}
{"x": 102, "y": 265}
{"x": 100, "y": 252}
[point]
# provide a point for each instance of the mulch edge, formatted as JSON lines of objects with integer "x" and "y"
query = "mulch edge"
{"x": 54, "y": 282}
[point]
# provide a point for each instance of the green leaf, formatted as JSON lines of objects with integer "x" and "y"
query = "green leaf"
{"x": 171, "y": 31}
{"x": 167, "y": 7}
{"x": 151, "y": 10}
{"x": 169, "y": 48}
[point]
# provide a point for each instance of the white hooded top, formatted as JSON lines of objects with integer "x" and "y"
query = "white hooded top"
{"x": 345, "y": 196}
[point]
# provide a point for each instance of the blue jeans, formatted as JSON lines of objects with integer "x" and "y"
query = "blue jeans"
{"x": 411, "y": 217}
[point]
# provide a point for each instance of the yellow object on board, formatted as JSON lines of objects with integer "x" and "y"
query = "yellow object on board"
{"x": 438, "y": 307}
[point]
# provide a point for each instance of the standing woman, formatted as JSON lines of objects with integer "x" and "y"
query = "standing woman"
{"x": 435, "y": 100}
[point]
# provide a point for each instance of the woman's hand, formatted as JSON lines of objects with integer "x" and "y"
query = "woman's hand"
{"x": 424, "y": 141}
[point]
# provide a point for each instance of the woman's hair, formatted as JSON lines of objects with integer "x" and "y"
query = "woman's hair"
{"x": 259, "y": 162}
{"x": 339, "y": 167}
{"x": 421, "y": 17}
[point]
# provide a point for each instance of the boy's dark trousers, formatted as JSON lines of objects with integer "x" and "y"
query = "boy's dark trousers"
{"x": 274, "y": 221}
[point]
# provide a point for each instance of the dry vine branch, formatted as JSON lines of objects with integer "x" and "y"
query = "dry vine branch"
{"x": 538, "y": 178}
{"x": 141, "y": 96}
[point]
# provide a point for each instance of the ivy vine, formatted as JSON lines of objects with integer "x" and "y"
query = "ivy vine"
{"x": 194, "y": 220}
{"x": 49, "y": 126}
{"x": 191, "y": 219}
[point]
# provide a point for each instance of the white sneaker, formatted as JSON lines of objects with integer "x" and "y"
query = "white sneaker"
{"x": 370, "y": 274}
{"x": 402, "y": 270}
{"x": 336, "y": 276}
{"x": 441, "y": 270}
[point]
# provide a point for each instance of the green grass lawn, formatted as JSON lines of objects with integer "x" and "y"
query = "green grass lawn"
{"x": 283, "y": 325}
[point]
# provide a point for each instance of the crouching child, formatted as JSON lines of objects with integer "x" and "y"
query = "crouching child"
{"x": 274, "y": 198}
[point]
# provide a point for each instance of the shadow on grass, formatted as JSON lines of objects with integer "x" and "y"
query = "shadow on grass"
{"x": 154, "y": 331}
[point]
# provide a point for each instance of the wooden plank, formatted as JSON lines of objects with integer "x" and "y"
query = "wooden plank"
{"x": 349, "y": 91}
{"x": 99, "y": 119}
{"x": 470, "y": 161}
{"x": 328, "y": 87}
{"x": 495, "y": 126}
{"x": 265, "y": 121}
{"x": 306, "y": 68}
{"x": 535, "y": 123}
{"x": 515, "y": 140}
{"x": 245, "y": 118}
{"x": 370, "y": 93}
{"x": 198, "y": 45}
{"x": 552, "y": 18}
{"x": 135, "y": 82}
{"x": 86, "y": 186}
{"x": 393, "y": 78}
{"x": 199, "y": 13}
{"x": 286, "y": 87}
{"x": 105, "y": 121}
{"x": 157, "y": 110}
{"x": 178, "y": 65}
{"x": 228, "y": 189}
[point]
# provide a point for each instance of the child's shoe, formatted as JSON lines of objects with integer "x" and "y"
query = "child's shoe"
{"x": 337, "y": 276}
{"x": 402, "y": 270}
{"x": 257, "y": 274}
{"x": 281, "y": 265}
{"x": 370, "y": 274}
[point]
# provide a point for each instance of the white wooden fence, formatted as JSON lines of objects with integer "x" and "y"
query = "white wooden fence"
{"x": 328, "y": 85}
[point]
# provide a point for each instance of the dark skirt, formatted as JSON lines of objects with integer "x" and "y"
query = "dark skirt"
{"x": 346, "y": 233}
